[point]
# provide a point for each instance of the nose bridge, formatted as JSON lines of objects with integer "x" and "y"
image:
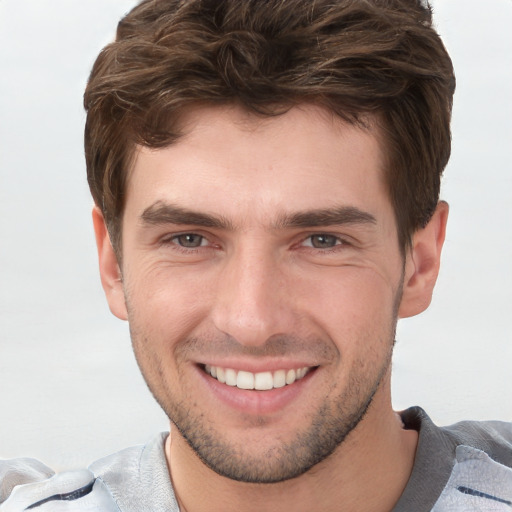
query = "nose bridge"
{"x": 249, "y": 304}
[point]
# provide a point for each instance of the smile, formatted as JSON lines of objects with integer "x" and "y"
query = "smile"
{"x": 262, "y": 381}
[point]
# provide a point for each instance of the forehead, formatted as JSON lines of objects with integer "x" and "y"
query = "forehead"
{"x": 236, "y": 163}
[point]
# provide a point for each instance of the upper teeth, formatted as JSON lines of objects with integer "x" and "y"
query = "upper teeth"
{"x": 260, "y": 381}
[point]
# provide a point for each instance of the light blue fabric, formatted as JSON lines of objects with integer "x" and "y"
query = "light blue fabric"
{"x": 138, "y": 478}
{"x": 70, "y": 491}
{"x": 477, "y": 483}
{"x": 462, "y": 468}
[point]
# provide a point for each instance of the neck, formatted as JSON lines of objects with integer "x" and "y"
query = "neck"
{"x": 367, "y": 472}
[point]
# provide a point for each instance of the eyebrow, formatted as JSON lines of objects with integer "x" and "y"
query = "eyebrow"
{"x": 161, "y": 213}
{"x": 327, "y": 217}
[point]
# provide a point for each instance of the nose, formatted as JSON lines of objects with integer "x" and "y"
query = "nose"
{"x": 253, "y": 300}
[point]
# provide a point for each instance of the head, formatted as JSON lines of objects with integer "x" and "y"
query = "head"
{"x": 268, "y": 172}
{"x": 379, "y": 58}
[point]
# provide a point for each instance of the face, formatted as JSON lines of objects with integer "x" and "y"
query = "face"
{"x": 261, "y": 279}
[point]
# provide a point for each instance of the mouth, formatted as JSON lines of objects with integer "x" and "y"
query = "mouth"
{"x": 261, "y": 381}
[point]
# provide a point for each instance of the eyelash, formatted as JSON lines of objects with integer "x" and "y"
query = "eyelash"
{"x": 338, "y": 242}
{"x": 174, "y": 241}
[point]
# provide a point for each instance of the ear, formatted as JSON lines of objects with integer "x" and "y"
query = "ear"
{"x": 422, "y": 264}
{"x": 110, "y": 272}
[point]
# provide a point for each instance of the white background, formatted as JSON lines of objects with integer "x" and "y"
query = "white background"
{"x": 70, "y": 391}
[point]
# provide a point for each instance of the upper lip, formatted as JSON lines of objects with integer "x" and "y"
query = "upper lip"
{"x": 260, "y": 366}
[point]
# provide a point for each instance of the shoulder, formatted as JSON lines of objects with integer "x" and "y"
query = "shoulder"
{"x": 21, "y": 471}
{"x": 131, "y": 463}
{"x": 465, "y": 466}
{"x": 138, "y": 477}
{"x": 481, "y": 478}
{"x": 28, "y": 484}
{"x": 492, "y": 437}
{"x": 135, "y": 479}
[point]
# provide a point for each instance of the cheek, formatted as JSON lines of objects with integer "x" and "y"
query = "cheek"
{"x": 353, "y": 304}
{"x": 166, "y": 302}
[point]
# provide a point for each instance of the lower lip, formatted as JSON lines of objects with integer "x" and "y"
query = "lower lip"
{"x": 256, "y": 402}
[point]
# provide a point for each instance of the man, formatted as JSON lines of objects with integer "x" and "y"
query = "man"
{"x": 266, "y": 179}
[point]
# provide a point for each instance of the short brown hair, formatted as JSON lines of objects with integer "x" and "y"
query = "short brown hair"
{"x": 354, "y": 57}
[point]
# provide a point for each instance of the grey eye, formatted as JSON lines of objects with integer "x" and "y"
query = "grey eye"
{"x": 189, "y": 240}
{"x": 323, "y": 241}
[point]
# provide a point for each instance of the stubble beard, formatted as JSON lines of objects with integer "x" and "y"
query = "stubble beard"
{"x": 326, "y": 431}
{"x": 327, "y": 428}
{"x": 320, "y": 434}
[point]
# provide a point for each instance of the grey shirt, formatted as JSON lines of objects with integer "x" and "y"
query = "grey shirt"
{"x": 460, "y": 468}
{"x": 463, "y": 467}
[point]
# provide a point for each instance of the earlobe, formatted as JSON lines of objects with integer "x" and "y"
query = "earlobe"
{"x": 422, "y": 264}
{"x": 111, "y": 278}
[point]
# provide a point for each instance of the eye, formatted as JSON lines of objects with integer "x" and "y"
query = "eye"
{"x": 322, "y": 241}
{"x": 189, "y": 240}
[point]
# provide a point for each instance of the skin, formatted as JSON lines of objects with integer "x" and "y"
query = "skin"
{"x": 227, "y": 262}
